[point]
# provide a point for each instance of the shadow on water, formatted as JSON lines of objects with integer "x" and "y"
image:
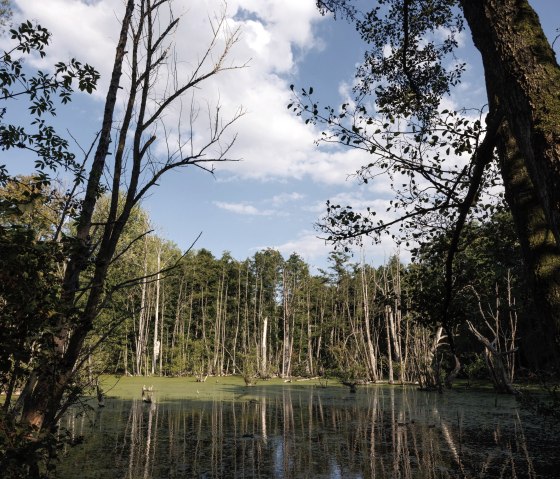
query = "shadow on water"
{"x": 307, "y": 432}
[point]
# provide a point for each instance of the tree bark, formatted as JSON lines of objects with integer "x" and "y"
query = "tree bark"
{"x": 521, "y": 68}
{"x": 522, "y": 78}
{"x": 540, "y": 252}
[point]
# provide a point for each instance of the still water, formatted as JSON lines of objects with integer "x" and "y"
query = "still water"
{"x": 293, "y": 431}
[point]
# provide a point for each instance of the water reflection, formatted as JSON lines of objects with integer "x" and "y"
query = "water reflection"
{"x": 289, "y": 432}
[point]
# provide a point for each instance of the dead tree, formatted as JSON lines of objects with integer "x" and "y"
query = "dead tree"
{"x": 499, "y": 350}
{"x": 425, "y": 358}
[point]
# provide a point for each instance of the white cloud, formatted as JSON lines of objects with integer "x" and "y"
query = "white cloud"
{"x": 243, "y": 209}
{"x": 308, "y": 245}
{"x": 315, "y": 250}
{"x": 248, "y": 207}
{"x": 286, "y": 198}
{"x": 442, "y": 34}
{"x": 83, "y": 30}
{"x": 273, "y": 144}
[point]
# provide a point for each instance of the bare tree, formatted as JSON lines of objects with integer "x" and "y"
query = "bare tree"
{"x": 146, "y": 73}
{"x": 499, "y": 348}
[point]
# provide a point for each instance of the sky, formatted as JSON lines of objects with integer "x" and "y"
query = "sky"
{"x": 277, "y": 191}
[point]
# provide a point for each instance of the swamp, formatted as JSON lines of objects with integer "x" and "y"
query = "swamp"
{"x": 351, "y": 267}
{"x": 222, "y": 428}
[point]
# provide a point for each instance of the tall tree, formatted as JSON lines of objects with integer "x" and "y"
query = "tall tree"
{"x": 522, "y": 77}
{"x": 145, "y": 46}
{"x": 411, "y": 140}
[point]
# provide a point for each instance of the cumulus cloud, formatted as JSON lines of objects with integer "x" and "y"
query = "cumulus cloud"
{"x": 272, "y": 143}
{"x": 308, "y": 245}
{"x": 84, "y": 30}
{"x": 277, "y": 203}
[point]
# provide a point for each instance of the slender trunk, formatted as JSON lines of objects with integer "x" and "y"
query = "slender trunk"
{"x": 310, "y": 365}
{"x": 291, "y": 340}
{"x": 388, "y": 314}
{"x": 126, "y": 350}
{"x": 404, "y": 359}
{"x": 285, "y": 324}
{"x": 237, "y": 323}
{"x": 217, "y": 324}
{"x": 157, "y": 343}
{"x": 140, "y": 340}
{"x": 44, "y": 405}
{"x": 264, "y": 365}
{"x": 372, "y": 359}
{"x": 161, "y": 350}
{"x": 147, "y": 334}
{"x": 223, "y": 333}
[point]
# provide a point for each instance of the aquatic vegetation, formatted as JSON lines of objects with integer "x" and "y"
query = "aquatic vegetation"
{"x": 224, "y": 429}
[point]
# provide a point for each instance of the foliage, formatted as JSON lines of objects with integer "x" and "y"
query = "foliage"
{"x": 475, "y": 368}
{"x": 487, "y": 252}
{"x": 32, "y": 213}
{"x": 249, "y": 368}
{"x": 349, "y": 368}
{"x": 443, "y": 166}
{"x": 408, "y": 43}
{"x": 28, "y": 301}
{"x": 425, "y": 169}
{"x": 395, "y": 116}
{"x": 40, "y": 90}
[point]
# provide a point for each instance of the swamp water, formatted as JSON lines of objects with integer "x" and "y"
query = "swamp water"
{"x": 304, "y": 431}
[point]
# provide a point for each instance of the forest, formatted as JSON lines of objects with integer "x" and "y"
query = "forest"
{"x": 88, "y": 289}
{"x": 270, "y": 316}
{"x": 196, "y": 314}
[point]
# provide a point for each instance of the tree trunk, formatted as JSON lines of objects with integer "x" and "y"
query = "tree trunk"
{"x": 372, "y": 358}
{"x": 540, "y": 252}
{"x": 522, "y": 69}
{"x": 264, "y": 354}
{"x": 522, "y": 78}
{"x": 157, "y": 342}
{"x": 43, "y": 406}
{"x": 388, "y": 314}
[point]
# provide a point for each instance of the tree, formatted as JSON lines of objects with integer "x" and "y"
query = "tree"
{"x": 491, "y": 293}
{"x": 145, "y": 49}
{"x": 411, "y": 140}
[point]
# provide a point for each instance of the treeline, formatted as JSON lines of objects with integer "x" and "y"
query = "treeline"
{"x": 267, "y": 315}
{"x": 174, "y": 314}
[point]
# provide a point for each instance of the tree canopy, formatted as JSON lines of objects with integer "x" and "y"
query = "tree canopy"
{"x": 444, "y": 165}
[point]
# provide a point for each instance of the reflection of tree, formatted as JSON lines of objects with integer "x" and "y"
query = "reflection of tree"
{"x": 315, "y": 433}
{"x": 141, "y": 434}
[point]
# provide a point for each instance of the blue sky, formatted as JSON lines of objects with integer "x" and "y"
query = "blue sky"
{"x": 274, "y": 195}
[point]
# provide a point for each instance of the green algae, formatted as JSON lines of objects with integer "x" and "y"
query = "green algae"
{"x": 222, "y": 429}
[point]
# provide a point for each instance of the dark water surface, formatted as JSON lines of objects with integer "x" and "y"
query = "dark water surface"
{"x": 295, "y": 431}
